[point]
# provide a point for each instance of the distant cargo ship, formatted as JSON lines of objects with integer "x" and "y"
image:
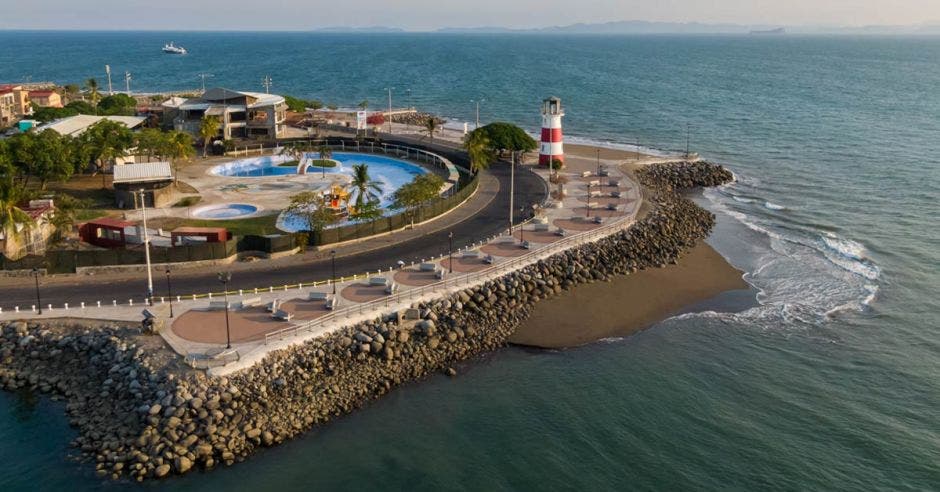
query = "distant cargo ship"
{"x": 776, "y": 31}
{"x": 173, "y": 49}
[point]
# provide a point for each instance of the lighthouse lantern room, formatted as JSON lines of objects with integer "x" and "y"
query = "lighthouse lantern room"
{"x": 552, "y": 147}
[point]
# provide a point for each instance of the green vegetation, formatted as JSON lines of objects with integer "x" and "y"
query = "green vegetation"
{"x": 189, "y": 201}
{"x": 430, "y": 125}
{"x": 368, "y": 212}
{"x": 312, "y": 162}
{"x": 480, "y": 150}
{"x": 365, "y": 189}
{"x": 208, "y": 130}
{"x": 422, "y": 189}
{"x": 117, "y": 104}
{"x": 292, "y": 163}
{"x": 265, "y": 224}
{"x": 506, "y": 137}
{"x": 314, "y": 208}
{"x": 12, "y": 196}
{"x": 298, "y": 105}
{"x": 91, "y": 88}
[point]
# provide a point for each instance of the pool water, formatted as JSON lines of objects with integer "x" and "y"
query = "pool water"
{"x": 225, "y": 211}
{"x": 389, "y": 172}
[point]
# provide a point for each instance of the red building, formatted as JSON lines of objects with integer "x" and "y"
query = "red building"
{"x": 106, "y": 232}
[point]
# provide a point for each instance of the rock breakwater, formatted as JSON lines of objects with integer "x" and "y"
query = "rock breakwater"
{"x": 141, "y": 415}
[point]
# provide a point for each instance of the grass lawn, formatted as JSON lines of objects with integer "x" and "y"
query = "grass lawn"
{"x": 260, "y": 226}
{"x": 188, "y": 201}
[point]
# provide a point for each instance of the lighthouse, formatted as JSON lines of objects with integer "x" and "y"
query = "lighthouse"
{"x": 552, "y": 146}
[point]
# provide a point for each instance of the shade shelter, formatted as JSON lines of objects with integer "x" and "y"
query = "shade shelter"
{"x": 209, "y": 234}
{"x": 106, "y": 232}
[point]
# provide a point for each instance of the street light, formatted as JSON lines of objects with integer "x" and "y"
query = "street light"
{"x": 38, "y": 301}
{"x": 389, "y": 89}
{"x": 143, "y": 214}
{"x": 450, "y": 251}
{"x": 225, "y": 278}
{"x": 477, "y": 101}
{"x": 522, "y": 225}
{"x": 512, "y": 186}
{"x": 588, "y": 207}
{"x": 169, "y": 291}
{"x": 333, "y": 278}
{"x": 598, "y": 173}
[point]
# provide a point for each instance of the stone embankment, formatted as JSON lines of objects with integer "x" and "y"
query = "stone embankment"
{"x": 141, "y": 415}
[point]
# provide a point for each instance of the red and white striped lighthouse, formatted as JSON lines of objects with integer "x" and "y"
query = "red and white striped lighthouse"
{"x": 552, "y": 146}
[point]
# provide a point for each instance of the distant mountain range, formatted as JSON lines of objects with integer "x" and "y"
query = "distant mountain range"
{"x": 647, "y": 27}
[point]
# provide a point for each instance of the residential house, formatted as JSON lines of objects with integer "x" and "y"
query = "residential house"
{"x": 45, "y": 98}
{"x": 244, "y": 115}
{"x": 29, "y": 238}
{"x": 21, "y": 106}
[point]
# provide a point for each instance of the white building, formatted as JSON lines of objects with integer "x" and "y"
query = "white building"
{"x": 244, "y": 115}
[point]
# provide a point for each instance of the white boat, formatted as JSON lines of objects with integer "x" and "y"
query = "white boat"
{"x": 173, "y": 49}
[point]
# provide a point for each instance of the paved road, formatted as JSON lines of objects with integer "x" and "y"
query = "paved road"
{"x": 493, "y": 218}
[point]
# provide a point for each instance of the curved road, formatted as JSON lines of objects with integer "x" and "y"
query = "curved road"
{"x": 492, "y": 219}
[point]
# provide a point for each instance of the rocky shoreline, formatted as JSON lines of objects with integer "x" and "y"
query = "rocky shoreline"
{"x": 140, "y": 414}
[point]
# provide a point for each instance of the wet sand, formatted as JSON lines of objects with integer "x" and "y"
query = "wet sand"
{"x": 629, "y": 303}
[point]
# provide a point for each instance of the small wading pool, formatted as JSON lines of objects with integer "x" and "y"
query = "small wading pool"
{"x": 225, "y": 211}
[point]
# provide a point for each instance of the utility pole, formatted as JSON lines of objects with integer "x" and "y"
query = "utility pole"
{"x": 389, "y": 89}
{"x": 107, "y": 70}
{"x": 127, "y": 82}
{"x": 203, "y": 77}
{"x": 267, "y": 83}
{"x": 143, "y": 213}
{"x": 478, "y": 101}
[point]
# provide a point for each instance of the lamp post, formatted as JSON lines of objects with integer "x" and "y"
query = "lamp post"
{"x": 389, "y": 89}
{"x": 38, "y": 300}
{"x": 598, "y": 172}
{"x": 450, "y": 251}
{"x": 169, "y": 291}
{"x": 143, "y": 213}
{"x": 478, "y": 101}
{"x": 333, "y": 278}
{"x": 512, "y": 186}
{"x": 225, "y": 277}
{"x": 522, "y": 226}
{"x": 588, "y": 207}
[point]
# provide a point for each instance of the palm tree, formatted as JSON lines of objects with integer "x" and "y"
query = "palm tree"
{"x": 179, "y": 147}
{"x": 364, "y": 104}
{"x": 91, "y": 85}
{"x": 365, "y": 188}
{"x": 478, "y": 148}
{"x": 430, "y": 125}
{"x": 207, "y": 131}
{"x": 11, "y": 215}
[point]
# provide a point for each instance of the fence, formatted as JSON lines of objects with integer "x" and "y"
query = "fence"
{"x": 66, "y": 261}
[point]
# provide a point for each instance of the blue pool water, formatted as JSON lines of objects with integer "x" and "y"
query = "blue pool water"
{"x": 225, "y": 211}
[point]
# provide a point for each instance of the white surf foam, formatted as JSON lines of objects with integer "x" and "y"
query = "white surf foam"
{"x": 774, "y": 206}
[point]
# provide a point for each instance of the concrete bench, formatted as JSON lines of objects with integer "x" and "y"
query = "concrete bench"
{"x": 391, "y": 288}
{"x": 471, "y": 254}
{"x": 378, "y": 281}
{"x": 318, "y": 296}
{"x": 540, "y": 227}
{"x": 596, "y": 194}
{"x": 251, "y": 302}
{"x": 218, "y": 305}
{"x": 586, "y": 174}
{"x": 427, "y": 267}
{"x": 282, "y": 315}
{"x": 505, "y": 240}
{"x": 332, "y": 303}
{"x": 595, "y": 182}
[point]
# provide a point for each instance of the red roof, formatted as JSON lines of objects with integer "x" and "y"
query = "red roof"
{"x": 43, "y": 93}
{"x": 36, "y": 213}
{"x": 112, "y": 222}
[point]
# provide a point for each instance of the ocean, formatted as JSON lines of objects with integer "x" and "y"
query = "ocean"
{"x": 830, "y": 381}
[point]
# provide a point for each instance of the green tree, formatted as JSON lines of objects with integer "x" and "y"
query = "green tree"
{"x": 52, "y": 157}
{"x": 208, "y": 130}
{"x": 178, "y": 148}
{"x": 66, "y": 213}
{"x": 364, "y": 104}
{"x": 295, "y": 104}
{"x": 151, "y": 142}
{"x": 71, "y": 90}
{"x": 104, "y": 142}
{"x": 325, "y": 152}
{"x": 368, "y": 212}
{"x": 81, "y": 107}
{"x": 91, "y": 87}
{"x": 313, "y": 208}
{"x": 48, "y": 114}
{"x": 365, "y": 189}
{"x": 12, "y": 195}
{"x": 478, "y": 147}
{"x": 315, "y": 104}
{"x": 422, "y": 189}
{"x": 506, "y": 137}
{"x": 117, "y": 104}
{"x": 430, "y": 125}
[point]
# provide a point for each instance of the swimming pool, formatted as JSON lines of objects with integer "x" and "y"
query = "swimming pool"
{"x": 224, "y": 211}
{"x": 391, "y": 174}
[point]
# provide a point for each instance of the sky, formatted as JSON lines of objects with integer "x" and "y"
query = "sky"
{"x": 431, "y": 14}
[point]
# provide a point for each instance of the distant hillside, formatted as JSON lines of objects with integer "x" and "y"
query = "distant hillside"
{"x": 372, "y": 29}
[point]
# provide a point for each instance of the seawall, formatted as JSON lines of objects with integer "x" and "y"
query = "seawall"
{"x": 141, "y": 414}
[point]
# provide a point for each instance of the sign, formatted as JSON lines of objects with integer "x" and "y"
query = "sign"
{"x": 362, "y": 120}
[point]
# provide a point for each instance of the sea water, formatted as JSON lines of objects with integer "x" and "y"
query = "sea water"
{"x": 830, "y": 381}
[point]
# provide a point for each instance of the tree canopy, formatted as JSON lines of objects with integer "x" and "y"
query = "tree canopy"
{"x": 299, "y": 105}
{"x": 314, "y": 209}
{"x": 117, "y": 104}
{"x": 422, "y": 189}
{"x": 506, "y": 137}
{"x": 479, "y": 149}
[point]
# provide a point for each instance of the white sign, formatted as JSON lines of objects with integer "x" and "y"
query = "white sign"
{"x": 362, "y": 118}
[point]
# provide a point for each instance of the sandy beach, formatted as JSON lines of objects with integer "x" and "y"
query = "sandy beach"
{"x": 629, "y": 303}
